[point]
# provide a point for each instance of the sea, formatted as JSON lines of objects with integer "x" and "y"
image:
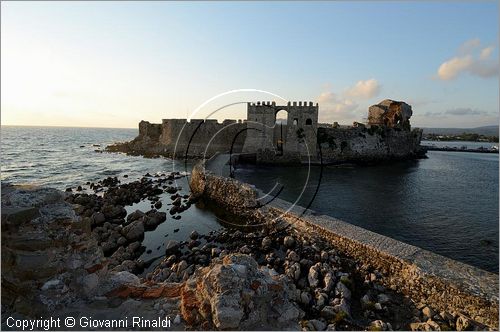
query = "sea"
{"x": 447, "y": 203}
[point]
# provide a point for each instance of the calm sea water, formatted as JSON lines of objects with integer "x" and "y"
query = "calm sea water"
{"x": 447, "y": 203}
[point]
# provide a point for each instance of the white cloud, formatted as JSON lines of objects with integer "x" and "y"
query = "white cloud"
{"x": 486, "y": 53}
{"x": 364, "y": 89}
{"x": 451, "y": 68}
{"x": 469, "y": 61}
{"x": 343, "y": 107}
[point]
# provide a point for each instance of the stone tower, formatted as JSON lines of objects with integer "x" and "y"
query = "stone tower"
{"x": 276, "y": 142}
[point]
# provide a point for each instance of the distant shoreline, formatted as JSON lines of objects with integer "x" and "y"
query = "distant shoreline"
{"x": 456, "y": 149}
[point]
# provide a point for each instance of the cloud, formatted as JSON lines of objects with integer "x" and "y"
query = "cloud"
{"x": 464, "y": 111}
{"x": 470, "y": 60}
{"x": 430, "y": 114}
{"x": 336, "y": 106}
{"x": 364, "y": 89}
{"x": 486, "y": 53}
{"x": 343, "y": 107}
{"x": 454, "y": 112}
{"x": 469, "y": 46}
{"x": 451, "y": 68}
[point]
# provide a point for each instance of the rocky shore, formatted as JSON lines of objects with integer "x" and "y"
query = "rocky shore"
{"x": 79, "y": 252}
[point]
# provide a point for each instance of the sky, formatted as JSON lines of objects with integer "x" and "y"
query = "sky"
{"x": 112, "y": 64}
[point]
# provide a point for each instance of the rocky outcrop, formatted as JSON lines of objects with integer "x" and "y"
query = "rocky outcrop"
{"x": 234, "y": 293}
{"x": 46, "y": 249}
{"x": 391, "y": 114}
{"x": 268, "y": 277}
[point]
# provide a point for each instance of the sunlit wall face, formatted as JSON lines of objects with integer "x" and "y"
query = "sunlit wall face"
{"x": 114, "y": 64}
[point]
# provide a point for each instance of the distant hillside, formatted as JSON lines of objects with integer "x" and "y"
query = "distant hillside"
{"x": 486, "y": 130}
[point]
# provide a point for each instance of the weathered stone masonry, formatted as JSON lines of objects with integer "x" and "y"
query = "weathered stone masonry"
{"x": 426, "y": 277}
{"x": 300, "y": 139}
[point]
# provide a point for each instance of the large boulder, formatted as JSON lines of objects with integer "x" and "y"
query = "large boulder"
{"x": 113, "y": 211}
{"x": 233, "y": 293}
{"x": 390, "y": 113}
{"x": 134, "y": 230}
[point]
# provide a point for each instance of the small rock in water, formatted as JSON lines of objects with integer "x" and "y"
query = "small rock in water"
{"x": 172, "y": 246}
{"x": 194, "y": 235}
{"x": 176, "y": 230}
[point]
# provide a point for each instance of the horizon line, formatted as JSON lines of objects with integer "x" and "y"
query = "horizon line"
{"x": 92, "y": 127}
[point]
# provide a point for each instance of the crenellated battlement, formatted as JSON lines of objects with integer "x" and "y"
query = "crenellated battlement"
{"x": 290, "y": 103}
{"x": 198, "y": 121}
{"x": 289, "y": 133}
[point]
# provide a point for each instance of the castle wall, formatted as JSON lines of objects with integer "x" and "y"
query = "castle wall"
{"x": 150, "y": 130}
{"x": 202, "y": 136}
{"x": 294, "y": 142}
{"x": 297, "y": 137}
{"x": 361, "y": 144}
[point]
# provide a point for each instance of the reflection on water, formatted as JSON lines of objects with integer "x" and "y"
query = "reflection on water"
{"x": 447, "y": 203}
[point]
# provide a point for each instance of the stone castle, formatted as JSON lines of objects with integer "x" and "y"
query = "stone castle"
{"x": 300, "y": 139}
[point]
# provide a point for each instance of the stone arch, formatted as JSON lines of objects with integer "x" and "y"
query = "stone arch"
{"x": 281, "y": 116}
{"x": 280, "y": 130}
{"x": 309, "y": 122}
